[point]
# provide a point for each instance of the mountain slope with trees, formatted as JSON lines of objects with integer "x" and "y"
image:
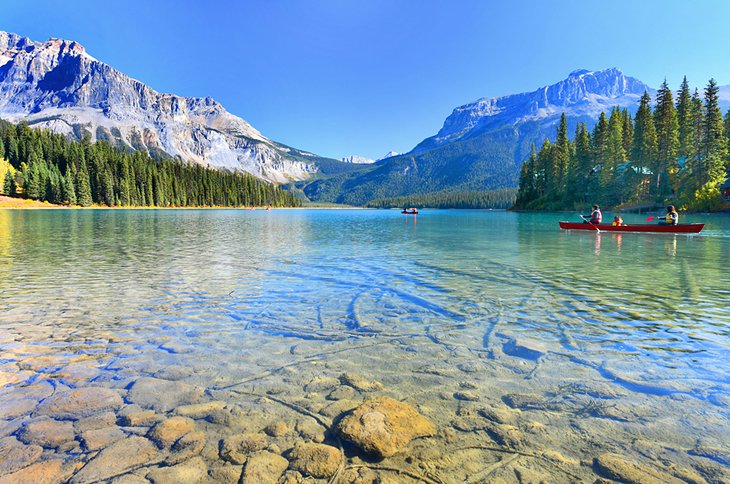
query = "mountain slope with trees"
{"x": 49, "y": 167}
{"x": 676, "y": 152}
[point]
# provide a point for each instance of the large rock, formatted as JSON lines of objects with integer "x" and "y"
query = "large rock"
{"x": 11, "y": 409}
{"x": 383, "y": 426}
{"x": 265, "y": 468}
{"x": 200, "y": 410}
{"x": 100, "y": 438}
{"x": 169, "y": 431}
{"x": 46, "y": 472}
{"x": 235, "y": 448}
{"x": 119, "y": 458}
{"x": 190, "y": 472}
{"x": 187, "y": 446}
{"x": 316, "y": 460}
{"x": 163, "y": 395}
{"x": 47, "y": 432}
{"x": 619, "y": 469}
{"x": 80, "y": 402}
{"x": 15, "y": 455}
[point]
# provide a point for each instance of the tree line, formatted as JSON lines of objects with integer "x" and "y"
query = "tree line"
{"x": 49, "y": 167}
{"x": 501, "y": 198}
{"x": 676, "y": 152}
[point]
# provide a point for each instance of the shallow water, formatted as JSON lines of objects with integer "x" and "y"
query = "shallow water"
{"x": 534, "y": 350}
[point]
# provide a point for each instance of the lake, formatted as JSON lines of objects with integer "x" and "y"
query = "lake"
{"x": 537, "y": 353}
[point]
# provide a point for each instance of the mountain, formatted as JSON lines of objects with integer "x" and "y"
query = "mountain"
{"x": 357, "y": 159}
{"x": 58, "y": 85}
{"x": 482, "y": 144}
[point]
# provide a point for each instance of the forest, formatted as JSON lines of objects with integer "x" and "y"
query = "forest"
{"x": 672, "y": 152}
{"x": 501, "y": 198}
{"x": 49, "y": 167}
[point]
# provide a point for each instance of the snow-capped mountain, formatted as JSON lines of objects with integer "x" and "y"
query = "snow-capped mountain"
{"x": 583, "y": 95}
{"x": 482, "y": 145}
{"x": 389, "y": 154}
{"x": 357, "y": 159}
{"x": 56, "y": 84}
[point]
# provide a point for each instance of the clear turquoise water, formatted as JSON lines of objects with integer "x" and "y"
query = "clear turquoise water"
{"x": 620, "y": 338}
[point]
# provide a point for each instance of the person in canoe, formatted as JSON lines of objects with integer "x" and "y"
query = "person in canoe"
{"x": 595, "y": 217}
{"x": 617, "y": 221}
{"x": 672, "y": 217}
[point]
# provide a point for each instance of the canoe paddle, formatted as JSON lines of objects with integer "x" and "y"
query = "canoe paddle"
{"x": 591, "y": 223}
{"x": 649, "y": 218}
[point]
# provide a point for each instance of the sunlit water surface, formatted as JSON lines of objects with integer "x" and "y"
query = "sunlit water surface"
{"x": 582, "y": 343}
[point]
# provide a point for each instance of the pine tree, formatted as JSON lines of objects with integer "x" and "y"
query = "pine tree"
{"x": 644, "y": 150}
{"x": 83, "y": 187}
{"x": 561, "y": 157}
{"x": 687, "y": 141}
{"x": 714, "y": 143}
{"x": 667, "y": 131}
{"x": 70, "y": 187}
{"x": 9, "y": 184}
{"x": 615, "y": 157}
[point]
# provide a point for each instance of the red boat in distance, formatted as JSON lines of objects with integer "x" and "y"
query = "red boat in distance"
{"x": 410, "y": 211}
{"x": 653, "y": 228}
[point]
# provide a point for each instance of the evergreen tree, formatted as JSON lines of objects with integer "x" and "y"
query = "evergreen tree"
{"x": 561, "y": 156}
{"x": 714, "y": 143}
{"x": 685, "y": 121}
{"x": 9, "y": 187}
{"x": 614, "y": 159}
{"x": 83, "y": 187}
{"x": 667, "y": 132}
{"x": 70, "y": 187}
{"x": 644, "y": 150}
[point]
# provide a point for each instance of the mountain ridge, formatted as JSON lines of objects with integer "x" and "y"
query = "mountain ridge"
{"x": 56, "y": 84}
{"x": 482, "y": 144}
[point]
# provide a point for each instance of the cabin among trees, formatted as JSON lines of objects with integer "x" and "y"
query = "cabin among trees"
{"x": 676, "y": 152}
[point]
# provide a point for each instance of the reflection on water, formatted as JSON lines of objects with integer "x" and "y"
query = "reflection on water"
{"x": 539, "y": 353}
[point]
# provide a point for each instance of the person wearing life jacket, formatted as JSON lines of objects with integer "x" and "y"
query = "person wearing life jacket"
{"x": 672, "y": 217}
{"x": 617, "y": 221}
{"x": 595, "y": 217}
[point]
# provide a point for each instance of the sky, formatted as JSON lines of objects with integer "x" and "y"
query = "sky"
{"x": 346, "y": 77}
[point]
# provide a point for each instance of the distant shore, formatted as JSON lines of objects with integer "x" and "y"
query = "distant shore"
{"x": 25, "y": 203}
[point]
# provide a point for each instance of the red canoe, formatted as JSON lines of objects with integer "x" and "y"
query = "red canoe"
{"x": 664, "y": 229}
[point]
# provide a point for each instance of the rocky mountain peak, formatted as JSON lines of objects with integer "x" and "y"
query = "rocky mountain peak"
{"x": 57, "y": 85}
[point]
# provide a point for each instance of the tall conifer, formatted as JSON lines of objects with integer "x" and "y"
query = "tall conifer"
{"x": 667, "y": 131}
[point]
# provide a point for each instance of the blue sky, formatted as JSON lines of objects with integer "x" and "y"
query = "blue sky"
{"x": 341, "y": 77}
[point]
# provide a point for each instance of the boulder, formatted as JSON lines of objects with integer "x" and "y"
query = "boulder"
{"x": 80, "y": 402}
{"x": 619, "y": 469}
{"x": 236, "y": 448}
{"x": 265, "y": 468}
{"x": 190, "y": 472}
{"x": 45, "y": 472}
{"x": 200, "y": 410}
{"x": 277, "y": 429}
{"x": 316, "y": 460}
{"x": 15, "y": 455}
{"x": 167, "y": 432}
{"x": 47, "y": 432}
{"x": 100, "y": 438}
{"x": 383, "y": 426}
{"x": 100, "y": 421}
{"x": 120, "y": 457}
{"x": 163, "y": 395}
{"x": 186, "y": 447}
{"x": 11, "y": 409}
